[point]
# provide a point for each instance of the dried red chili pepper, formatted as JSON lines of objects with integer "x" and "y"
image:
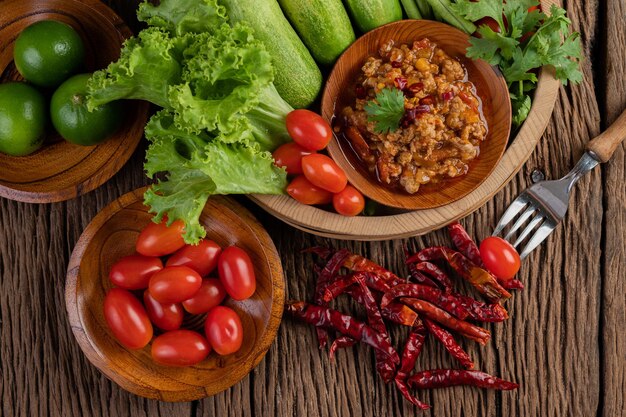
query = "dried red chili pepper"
{"x": 417, "y": 275}
{"x": 441, "y": 378}
{"x": 484, "y": 312}
{"x": 482, "y": 280}
{"x": 440, "y": 316}
{"x": 512, "y": 284}
{"x": 412, "y": 350}
{"x": 451, "y": 345}
{"x": 447, "y": 302}
{"x": 464, "y": 243}
{"x": 359, "y": 263}
{"x": 435, "y": 272}
{"x": 328, "y": 318}
{"x": 340, "y": 343}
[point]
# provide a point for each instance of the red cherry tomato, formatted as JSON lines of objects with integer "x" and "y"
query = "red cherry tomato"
{"x": 157, "y": 239}
{"x": 308, "y": 129}
{"x": 290, "y": 156}
{"x": 174, "y": 284}
{"x": 349, "y": 202}
{"x": 180, "y": 348}
{"x": 133, "y": 272}
{"x": 202, "y": 257}
{"x": 499, "y": 257}
{"x": 223, "y": 330}
{"x": 127, "y": 319}
{"x": 210, "y": 294}
{"x": 236, "y": 273}
{"x": 324, "y": 173}
{"x": 164, "y": 316}
{"x": 301, "y": 190}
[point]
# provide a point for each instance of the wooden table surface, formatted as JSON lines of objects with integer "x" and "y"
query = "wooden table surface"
{"x": 564, "y": 343}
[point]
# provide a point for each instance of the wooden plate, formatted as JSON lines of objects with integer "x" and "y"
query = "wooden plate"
{"x": 400, "y": 225}
{"x": 112, "y": 235}
{"x": 60, "y": 170}
{"x": 490, "y": 86}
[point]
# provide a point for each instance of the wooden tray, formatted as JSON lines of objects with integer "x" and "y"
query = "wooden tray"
{"x": 396, "y": 226}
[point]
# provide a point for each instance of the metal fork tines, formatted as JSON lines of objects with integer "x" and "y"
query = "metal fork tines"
{"x": 541, "y": 207}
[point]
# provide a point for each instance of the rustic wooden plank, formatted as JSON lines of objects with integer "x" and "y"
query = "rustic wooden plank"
{"x": 613, "y": 317}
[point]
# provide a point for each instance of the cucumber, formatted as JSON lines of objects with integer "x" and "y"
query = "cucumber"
{"x": 443, "y": 9}
{"x": 297, "y": 77}
{"x": 369, "y": 14}
{"x": 424, "y": 8}
{"x": 411, "y": 10}
{"x": 323, "y": 26}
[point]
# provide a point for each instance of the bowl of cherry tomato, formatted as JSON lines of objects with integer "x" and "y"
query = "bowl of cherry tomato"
{"x": 172, "y": 321}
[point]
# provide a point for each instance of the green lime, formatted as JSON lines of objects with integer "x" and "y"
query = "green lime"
{"x": 70, "y": 117}
{"x": 22, "y": 119}
{"x": 48, "y": 52}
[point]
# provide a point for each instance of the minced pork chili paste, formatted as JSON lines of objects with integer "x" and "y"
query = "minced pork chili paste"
{"x": 442, "y": 127}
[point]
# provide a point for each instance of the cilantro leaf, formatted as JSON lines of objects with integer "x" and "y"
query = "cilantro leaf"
{"x": 387, "y": 110}
{"x": 491, "y": 46}
{"x": 475, "y": 11}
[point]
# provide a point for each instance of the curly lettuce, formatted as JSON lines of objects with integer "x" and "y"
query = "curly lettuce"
{"x": 221, "y": 112}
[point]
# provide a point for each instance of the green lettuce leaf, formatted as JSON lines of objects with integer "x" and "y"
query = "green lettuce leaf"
{"x": 183, "y": 16}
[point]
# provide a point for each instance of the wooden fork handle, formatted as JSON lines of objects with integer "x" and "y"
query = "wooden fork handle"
{"x": 605, "y": 144}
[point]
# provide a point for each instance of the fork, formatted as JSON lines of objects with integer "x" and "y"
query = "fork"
{"x": 545, "y": 203}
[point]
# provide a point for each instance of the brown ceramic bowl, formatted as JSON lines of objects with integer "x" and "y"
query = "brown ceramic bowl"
{"x": 491, "y": 88}
{"x": 60, "y": 170}
{"x": 111, "y": 235}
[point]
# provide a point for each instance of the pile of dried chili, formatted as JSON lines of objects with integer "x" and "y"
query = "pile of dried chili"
{"x": 426, "y": 302}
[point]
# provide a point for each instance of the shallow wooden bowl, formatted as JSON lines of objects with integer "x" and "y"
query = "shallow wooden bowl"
{"x": 112, "y": 235}
{"x": 490, "y": 86}
{"x": 60, "y": 170}
{"x": 398, "y": 224}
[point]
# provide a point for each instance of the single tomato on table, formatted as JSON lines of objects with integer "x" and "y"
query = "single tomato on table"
{"x": 308, "y": 129}
{"x": 159, "y": 239}
{"x": 133, "y": 272}
{"x": 163, "y": 316}
{"x": 202, "y": 257}
{"x": 174, "y": 284}
{"x": 223, "y": 330}
{"x": 210, "y": 294}
{"x": 349, "y": 202}
{"x": 237, "y": 273}
{"x": 324, "y": 173}
{"x": 499, "y": 257}
{"x": 127, "y": 319}
{"x": 301, "y": 190}
{"x": 289, "y": 156}
{"x": 180, "y": 348}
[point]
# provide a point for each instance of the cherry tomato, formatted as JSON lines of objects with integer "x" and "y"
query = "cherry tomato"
{"x": 157, "y": 239}
{"x": 301, "y": 190}
{"x": 223, "y": 330}
{"x": 323, "y": 172}
{"x": 127, "y": 319}
{"x": 290, "y": 156}
{"x": 163, "y": 316}
{"x": 349, "y": 202}
{"x": 499, "y": 257}
{"x": 174, "y": 284}
{"x": 133, "y": 272}
{"x": 236, "y": 273}
{"x": 210, "y": 294}
{"x": 202, "y": 257}
{"x": 180, "y": 348}
{"x": 308, "y": 129}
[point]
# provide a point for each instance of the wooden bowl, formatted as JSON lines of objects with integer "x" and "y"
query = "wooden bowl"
{"x": 490, "y": 86}
{"x": 60, "y": 170}
{"x": 397, "y": 224}
{"x": 111, "y": 235}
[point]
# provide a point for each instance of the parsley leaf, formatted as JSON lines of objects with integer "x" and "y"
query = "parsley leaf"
{"x": 387, "y": 110}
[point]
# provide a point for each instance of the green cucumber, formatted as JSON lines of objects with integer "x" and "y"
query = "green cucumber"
{"x": 411, "y": 10}
{"x": 323, "y": 26}
{"x": 425, "y": 9}
{"x": 297, "y": 77}
{"x": 443, "y": 9}
{"x": 369, "y": 14}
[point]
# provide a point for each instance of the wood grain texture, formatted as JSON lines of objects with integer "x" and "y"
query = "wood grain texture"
{"x": 564, "y": 343}
{"x": 112, "y": 235}
{"x": 60, "y": 170}
{"x": 490, "y": 86}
